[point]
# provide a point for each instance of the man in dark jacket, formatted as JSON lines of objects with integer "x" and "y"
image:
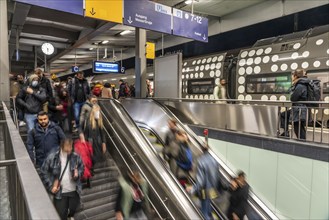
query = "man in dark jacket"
{"x": 239, "y": 197}
{"x": 44, "y": 82}
{"x": 31, "y": 98}
{"x": 298, "y": 93}
{"x": 79, "y": 91}
{"x": 122, "y": 89}
{"x": 43, "y": 139}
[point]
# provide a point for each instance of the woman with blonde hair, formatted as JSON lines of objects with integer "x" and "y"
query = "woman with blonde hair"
{"x": 94, "y": 133}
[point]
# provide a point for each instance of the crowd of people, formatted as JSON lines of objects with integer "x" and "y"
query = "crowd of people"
{"x": 53, "y": 110}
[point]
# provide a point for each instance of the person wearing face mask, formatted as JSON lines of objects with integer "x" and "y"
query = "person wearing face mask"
{"x": 31, "y": 98}
{"x": 93, "y": 132}
{"x": 60, "y": 174}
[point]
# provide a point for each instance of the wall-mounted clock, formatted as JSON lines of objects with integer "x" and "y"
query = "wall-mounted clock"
{"x": 47, "y": 48}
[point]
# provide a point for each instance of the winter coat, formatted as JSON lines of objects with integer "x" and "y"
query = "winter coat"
{"x": 31, "y": 103}
{"x": 43, "y": 141}
{"x": 51, "y": 170}
{"x": 45, "y": 83}
{"x": 107, "y": 93}
{"x": 299, "y": 93}
{"x": 84, "y": 115}
{"x": 72, "y": 88}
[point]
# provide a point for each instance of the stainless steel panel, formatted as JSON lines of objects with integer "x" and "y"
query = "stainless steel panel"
{"x": 252, "y": 119}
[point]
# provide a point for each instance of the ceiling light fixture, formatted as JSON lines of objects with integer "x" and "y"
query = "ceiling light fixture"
{"x": 91, "y": 48}
{"x": 105, "y": 41}
{"x": 125, "y": 32}
{"x": 188, "y": 2}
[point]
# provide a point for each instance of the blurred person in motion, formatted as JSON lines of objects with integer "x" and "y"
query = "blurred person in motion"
{"x": 239, "y": 197}
{"x": 97, "y": 89}
{"x": 170, "y": 138}
{"x": 64, "y": 101}
{"x": 61, "y": 173}
{"x": 31, "y": 98}
{"x": 107, "y": 91}
{"x": 207, "y": 181}
{"x": 220, "y": 90}
{"x": 132, "y": 198}
{"x": 94, "y": 133}
{"x": 45, "y": 83}
{"x": 78, "y": 91}
{"x": 43, "y": 139}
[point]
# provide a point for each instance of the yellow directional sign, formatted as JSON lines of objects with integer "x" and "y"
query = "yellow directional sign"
{"x": 109, "y": 10}
{"x": 150, "y": 50}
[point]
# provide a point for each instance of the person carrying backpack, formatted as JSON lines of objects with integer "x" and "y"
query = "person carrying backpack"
{"x": 302, "y": 89}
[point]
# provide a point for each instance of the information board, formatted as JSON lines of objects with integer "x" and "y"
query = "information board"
{"x": 148, "y": 15}
{"x": 70, "y": 6}
{"x": 106, "y": 67}
{"x": 190, "y": 25}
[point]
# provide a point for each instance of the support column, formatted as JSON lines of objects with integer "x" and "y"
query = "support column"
{"x": 140, "y": 63}
{"x": 4, "y": 53}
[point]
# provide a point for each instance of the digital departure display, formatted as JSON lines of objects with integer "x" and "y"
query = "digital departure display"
{"x": 106, "y": 67}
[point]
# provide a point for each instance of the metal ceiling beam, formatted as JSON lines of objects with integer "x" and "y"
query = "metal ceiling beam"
{"x": 20, "y": 12}
{"x": 50, "y": 31}
{"x": 62, "y": 17}
{"x": 103, "y": 27}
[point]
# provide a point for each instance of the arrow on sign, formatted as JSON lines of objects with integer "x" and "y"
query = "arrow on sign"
{"x": 92, "y": 12}
{"x": 129, "y": 20}
{"x": 204, "y": 37}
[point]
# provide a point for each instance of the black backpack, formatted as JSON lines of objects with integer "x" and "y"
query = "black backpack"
{"x": 313, "y": 92}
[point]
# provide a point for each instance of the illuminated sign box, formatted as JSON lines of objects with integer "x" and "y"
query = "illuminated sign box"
{"x": 106, "y": 67}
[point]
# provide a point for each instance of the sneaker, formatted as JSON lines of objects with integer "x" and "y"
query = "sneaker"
{"x": 21, "y": 123}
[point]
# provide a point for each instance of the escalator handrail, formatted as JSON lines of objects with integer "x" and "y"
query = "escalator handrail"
{"x": 255, "y": 202}
{"x": 129, "y": 167}
{"x": 144, "y": 144}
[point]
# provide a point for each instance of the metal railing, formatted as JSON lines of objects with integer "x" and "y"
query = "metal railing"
{"x": 258, "y": 117}
{"x": 27, "y": 195}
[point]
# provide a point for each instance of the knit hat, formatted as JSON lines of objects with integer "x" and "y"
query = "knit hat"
{"x": 33, "y": 76}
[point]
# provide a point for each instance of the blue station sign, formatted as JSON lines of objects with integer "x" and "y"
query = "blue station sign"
{"x": 106, "y": 67}
{"x": 189, "y": 25}
{"x": 70, "y": 6}
{"x": 147, "y": 15}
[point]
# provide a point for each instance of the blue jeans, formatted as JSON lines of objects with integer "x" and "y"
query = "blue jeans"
{"x": 206, "y": 208}
{"x": 30, "y": 120}
{"x": 77, "y": 109}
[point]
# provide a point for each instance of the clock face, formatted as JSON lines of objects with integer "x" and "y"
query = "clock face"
{"x": 47, "y": 48}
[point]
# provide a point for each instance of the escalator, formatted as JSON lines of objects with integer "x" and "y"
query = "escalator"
{"x": 131, "y": 150}
{"x": 155, "y": 116}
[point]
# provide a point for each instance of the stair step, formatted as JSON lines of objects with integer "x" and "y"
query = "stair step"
{"x": 109, "y": 174}
{"x": 106, "y": 215}
{"x": 103, "y": 187}
{"x": 93, "y": 212}
{"x": 105, "y": 169}
{"x": 106, "y": 163}
{"x": 102, "y": 181}
{"x": 86, "y": 197}
{"x": 99, "y": 202}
